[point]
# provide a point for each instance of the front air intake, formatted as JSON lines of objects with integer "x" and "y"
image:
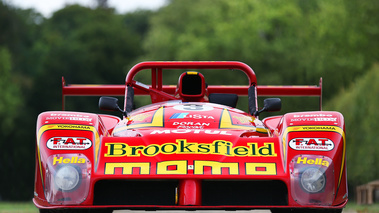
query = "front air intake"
{"x": 213, "y": 193}
{"x": 244, "y": 193}
{"x": 135, "y": 192}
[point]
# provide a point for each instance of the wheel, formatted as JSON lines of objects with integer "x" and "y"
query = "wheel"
{"x": 306, "y": 210}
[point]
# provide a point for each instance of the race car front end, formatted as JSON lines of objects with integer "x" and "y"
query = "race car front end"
{"x": 190, "y": 154}
{"x": 181, "y": 171}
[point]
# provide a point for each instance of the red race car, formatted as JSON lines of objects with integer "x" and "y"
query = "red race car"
{"x": 191, "y": 149}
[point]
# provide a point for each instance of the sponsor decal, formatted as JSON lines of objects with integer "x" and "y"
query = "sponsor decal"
{"x": 181, "y": 146}
{"x": 185, "y": 130}
{"x": 243, "y": 119}
{"x": 226, "y": 123}
{"x": 69, "y": 143}
{"x": 317, "y": 161}
{"x": 187, "y": 115}
{"x": 72, "y": 126}
{"x": 190, "y": 127}
{"x": 312, "y": 115}
{"x": 140, "y": 117}
{"x": 190, "y": 124}
{"x": 72, "y": 160}
{"x": 314, "y": 144}
{"x": 69, "y": 116}
{"x": 156, "y": 121}
{"x": 315, "y": 128}
{"x": 178, "y": 115}
{"x": 181, "y": 167}
{"x": 313, "y": 119}
{"x": 193, "y": 107}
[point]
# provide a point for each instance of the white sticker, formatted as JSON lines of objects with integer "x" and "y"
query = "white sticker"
{"x": 313, "y": 144}
{"x": 69, "y": 143}
{"x": 193, "y": 107}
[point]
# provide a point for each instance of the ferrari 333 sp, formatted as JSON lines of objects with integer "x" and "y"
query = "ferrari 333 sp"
{"x": 191, "y": 149}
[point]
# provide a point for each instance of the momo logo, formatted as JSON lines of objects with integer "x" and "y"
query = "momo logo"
{"x": 181, "y": 167}
{"x": 69, "y": 143}
{"x": 314, "y": 144}
{"x": 182, "y": 146}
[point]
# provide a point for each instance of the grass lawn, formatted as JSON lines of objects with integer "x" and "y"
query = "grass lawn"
{"x": 17, "y": 207}
{"x": 363, "y": 208}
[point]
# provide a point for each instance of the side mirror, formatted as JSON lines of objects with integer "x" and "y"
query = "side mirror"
{"x": 109, "y": 104}
{"x": 270, "y": 105}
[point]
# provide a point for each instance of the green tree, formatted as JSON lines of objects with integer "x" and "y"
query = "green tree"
{"x": 291, "y": 42}
{"x": 85, "y": 46}
{"x": 359, "y": 108}
{"x": 10, "y": 99}
{"x": 18, "y": 33}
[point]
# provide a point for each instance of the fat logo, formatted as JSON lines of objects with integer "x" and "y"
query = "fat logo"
{"x": 69, "y": 143}
{"x": 314, "y": 144}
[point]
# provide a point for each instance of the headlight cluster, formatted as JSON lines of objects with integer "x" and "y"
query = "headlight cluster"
{"x": 312, "y": 180}
{"x": 67, "y": 179}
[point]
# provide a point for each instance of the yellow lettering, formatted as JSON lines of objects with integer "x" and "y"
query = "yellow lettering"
{"x": 180, "y": 167}
{"x": 260, "y": 168}
{"x": 216, "y": 167}
{"x": 56, "y": 160}
{"x": 301, "y": 160}
{"x": 127, "y": 168}
{"x": 317, "y": 161}
{"x": 68, "y": 160}
{"x": 217, "y": 147}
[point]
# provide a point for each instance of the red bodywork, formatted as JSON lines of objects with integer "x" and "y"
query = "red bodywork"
{"x": 175, "y": 154}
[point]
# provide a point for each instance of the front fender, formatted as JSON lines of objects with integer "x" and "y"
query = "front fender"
{"x": 66, "y": 139}
{"x": 316, "y": 140}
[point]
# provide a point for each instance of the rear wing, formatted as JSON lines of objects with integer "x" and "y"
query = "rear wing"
{"x": 160, "y": 92}
{"x": 119, "y": 90}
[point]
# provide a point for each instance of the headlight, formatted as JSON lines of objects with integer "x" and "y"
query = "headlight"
{"x": 313, "y": 180}
{"x": 67, "y": 178}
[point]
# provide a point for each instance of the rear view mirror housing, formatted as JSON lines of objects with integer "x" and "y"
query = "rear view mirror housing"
{"x": 270, "y": 105}
{"x": 110, "y": 104}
